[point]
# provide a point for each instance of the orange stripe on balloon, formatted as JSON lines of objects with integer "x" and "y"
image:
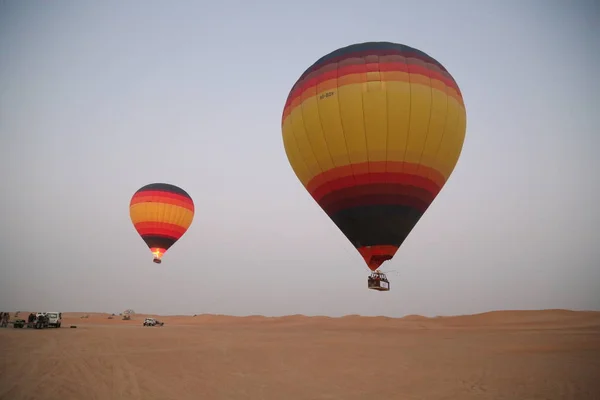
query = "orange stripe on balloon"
{"x": 160, "y": 229}
{"x": 359, "y": 73}
{"x": 376, "y": 172}
{"x": 369, "y": 63}
{"x": 362, "y": 78}
{"x": 162, "y": 193}
{"x": 162, "y": 197}
{"x": 373, "y": 58}
{"x": 363, "y": 68}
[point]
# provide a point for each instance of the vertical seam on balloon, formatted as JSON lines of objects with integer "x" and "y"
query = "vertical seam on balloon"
{"x": 387, "y": 127}
{"x": 460, "y": 151}
{"x": 308, "y": 138}
{"x": 350, "y": 162}
{"x": 161, "y": 216}
{"x": 409, "y": 112}
{"x": 445, "y": 178}
{"x": 323, "y": 130}
{"x": 387, "y": 118}
{"x": 437, "y": 150}
{"x": 337, "y": 84}
{"x": 183, "y": 213}
{"x": 167, "y": 215}
{"x": 300, "y": 156}
{"x": 180, "y": 215}
{"x": 191, "y": 213}
{"x": 186, "y": 215}
{"x": 429, "y": 122}
{"x": 325, "y": 183}
{"x": 154, "y": 212}
{"x": 149, "y": 212}
{"x": 364, "y": 124}
{"x": 443, "y": 133}
{"x": 328, "y": 182}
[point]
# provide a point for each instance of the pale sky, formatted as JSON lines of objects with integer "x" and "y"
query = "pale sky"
{"x": 100, "y": 98}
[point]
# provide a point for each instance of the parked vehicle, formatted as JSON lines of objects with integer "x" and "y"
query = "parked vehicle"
{"x": 19, "y": 323}
{"x": 152, "y": 322}
{"x": 54, "y": 319}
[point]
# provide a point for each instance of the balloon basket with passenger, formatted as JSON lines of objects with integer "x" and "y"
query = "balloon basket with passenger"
{"x": 378, "y": 281}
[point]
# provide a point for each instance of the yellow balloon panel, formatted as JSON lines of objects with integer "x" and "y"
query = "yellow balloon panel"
{"x": 161, "y": 212}
{"x": 412, "y": 119}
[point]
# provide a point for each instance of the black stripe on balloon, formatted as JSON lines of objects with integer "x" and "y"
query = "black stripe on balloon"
{"x": 164, "y": 187}
{"x": 158, "y": 241}
{"x": 377, "y": 224}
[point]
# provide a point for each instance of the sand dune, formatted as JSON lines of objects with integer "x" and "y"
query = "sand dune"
{"x": 549, "y": 354}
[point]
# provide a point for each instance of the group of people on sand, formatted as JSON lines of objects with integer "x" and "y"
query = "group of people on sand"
{"x": 32, "y": 319}
{"x": 4, "y": 318}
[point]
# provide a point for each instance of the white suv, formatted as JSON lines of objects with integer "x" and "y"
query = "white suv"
{"x": 54, "y": 319}
{"x": 152, "y": 322}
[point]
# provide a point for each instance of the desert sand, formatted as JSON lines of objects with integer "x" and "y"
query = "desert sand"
{"x": 516, "y": 355}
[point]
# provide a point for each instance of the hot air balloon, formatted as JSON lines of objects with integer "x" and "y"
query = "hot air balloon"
{"x": 161, "y": 213}
{"x": 373, "y": 131}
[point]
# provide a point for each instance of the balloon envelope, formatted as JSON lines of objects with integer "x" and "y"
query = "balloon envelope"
{"x": 373, "y": 131}
{"x": 161, "y": 213}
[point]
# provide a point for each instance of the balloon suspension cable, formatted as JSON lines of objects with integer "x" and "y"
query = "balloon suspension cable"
{"x": 351, "y": 252}
{"x": 392, "y": 270}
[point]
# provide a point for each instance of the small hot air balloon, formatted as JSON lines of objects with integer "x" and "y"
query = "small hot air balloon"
{"x": 161, "y": 213}
{"x": 373, "y": 131}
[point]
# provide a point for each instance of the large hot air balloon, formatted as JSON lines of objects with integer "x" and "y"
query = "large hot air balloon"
{"x": 373, "y": 131}
{"x": 161, "y": 213}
